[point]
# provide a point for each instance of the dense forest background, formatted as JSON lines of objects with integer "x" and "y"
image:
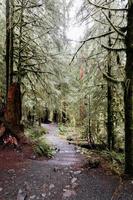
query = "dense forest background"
{"x": 86, "y": 83}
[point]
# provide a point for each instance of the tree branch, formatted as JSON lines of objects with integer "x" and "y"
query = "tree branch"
{"x": 109, "y": 78}
{"x": 98, "y": 36}
{"x": 92, "y": 38}
{"x": 113, "y": 49}
{"x": 106, "y": 8}
{"x": 117, "y": 30}
{"x": 39, "y": 71}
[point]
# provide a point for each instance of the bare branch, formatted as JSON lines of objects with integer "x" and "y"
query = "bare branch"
{"x": 98, "y": 36}
{"x": 109, "y": 78}
{"x": 113, "y": 49}
{"x": 76, "y": 53}
{"x": 92, "y": 38}
{"x": 117, "y": 30}
{"x": 106, "y": 8}
{"x": 39, "y": 72}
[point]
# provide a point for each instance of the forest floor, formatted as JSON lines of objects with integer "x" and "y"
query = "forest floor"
{"x": 64, "y": 177}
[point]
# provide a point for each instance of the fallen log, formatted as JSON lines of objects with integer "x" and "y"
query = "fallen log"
{"x": 87, "y": 145}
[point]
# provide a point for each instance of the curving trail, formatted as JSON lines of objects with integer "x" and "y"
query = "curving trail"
{"x": 61, "y": 178}
{"x": 66, "y": 154}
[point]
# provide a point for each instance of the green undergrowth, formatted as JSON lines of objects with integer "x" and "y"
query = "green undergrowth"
{"x": 42, "y": 148}
{"x": 68, "y": 132}
{"x": 35, "y": 132}
{"x": 110, "y": 160}
{"x": 116, "y": 161}
{"x": 115, "y": 157}
{"x": 36, "y": 135}
{"x": 63, "y": 130}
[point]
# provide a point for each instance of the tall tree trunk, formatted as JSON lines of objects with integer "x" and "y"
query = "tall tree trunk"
{"x": 109, "y": 110}
{"x": 7, "y": 44}
{"x": 89, "y": 121}
{"x": 129, "y": 94}
{"x": 11, "y": 42}
{"x": 110, "y": 127}
{"x": 20, "y": 42}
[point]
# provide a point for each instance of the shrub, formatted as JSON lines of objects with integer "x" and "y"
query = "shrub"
{"x": 62, "y": 129}
{"x": 41, "y": 148}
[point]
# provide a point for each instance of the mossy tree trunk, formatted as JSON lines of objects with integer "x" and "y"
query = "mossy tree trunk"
{"x": 110, "y": 124}
{"x": 7, "y": 44}
{"x": 129, "y": 94}
{"x": 12, "y": 42}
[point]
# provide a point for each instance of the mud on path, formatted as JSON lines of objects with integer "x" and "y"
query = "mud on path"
{"x": 61, "y": 178}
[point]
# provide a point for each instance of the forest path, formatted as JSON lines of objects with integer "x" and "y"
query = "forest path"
{"x": 61, "y": 178}
{"x": 66, "y": 153}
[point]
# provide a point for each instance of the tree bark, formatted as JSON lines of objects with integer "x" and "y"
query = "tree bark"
{"x": 20, "y": 43}
{"x": 13, "y": 111}
{"x": 129, "y": 94}
{"x": 7, "y": 44}
{"x": 110, "y": 127}
{"x": 12, "y": 42}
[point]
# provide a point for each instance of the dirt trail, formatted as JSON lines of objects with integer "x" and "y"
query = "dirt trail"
{"x": 66, "y": 153}
{"x": 61, "y": 178}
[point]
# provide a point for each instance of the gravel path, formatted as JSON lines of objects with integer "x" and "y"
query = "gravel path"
{"x": 61, "y": 178}
{"x": 67, "y": 154}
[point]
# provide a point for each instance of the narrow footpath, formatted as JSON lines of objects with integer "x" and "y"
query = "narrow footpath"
{"x": 61, "y": 178}
{"x": 66, "y": 154}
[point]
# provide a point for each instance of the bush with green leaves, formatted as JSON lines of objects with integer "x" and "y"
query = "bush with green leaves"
{"x": 62, "y": 129}
{"x": 42, "y": 148}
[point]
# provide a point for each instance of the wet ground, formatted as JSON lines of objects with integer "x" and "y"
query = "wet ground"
{"x": 61, "y": 178}
{"x": 67, "y": 154}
